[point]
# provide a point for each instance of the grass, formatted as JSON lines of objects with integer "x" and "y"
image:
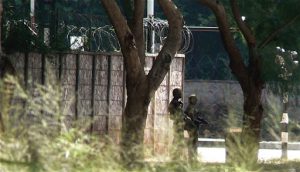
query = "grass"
{"x": 37, "y": 139}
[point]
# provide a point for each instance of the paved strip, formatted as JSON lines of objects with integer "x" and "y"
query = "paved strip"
{"x": 218, "y": 155}
{"x": 212, "y": 142}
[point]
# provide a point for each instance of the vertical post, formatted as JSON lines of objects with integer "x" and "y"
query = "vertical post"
{"x": 93, "y": 93}
{"x": 32, "y": 19}
{"x": 60, "y": 66}
{"x": 284, "y": 127}
{"x": 53, "y": 24}
{"x": 26, "y": 66}
{"x": 77, "y": 86}
{"x": 43, "y": 77}
{"x": 109, "y": 60}
{"x": 151, "y": 34}
{"x": 46, "y": 36}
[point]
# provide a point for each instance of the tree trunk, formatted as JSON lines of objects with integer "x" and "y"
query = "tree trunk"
{"x": 2, "y": 65}
{"x": 253, "y": 112}
{"x": 1, "y": 11}
{"x": 141, "y": 87}
{"x": 133, "y": 125}
{"x": 249, "y": 78}
{"x": 245, "y": 145}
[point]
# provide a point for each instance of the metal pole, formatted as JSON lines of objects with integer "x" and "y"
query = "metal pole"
{"x": 150, "y": 8}
{"x": 284, "y": 128}
{"x": 32, "y": 19}
{"x": 150, "y": 15}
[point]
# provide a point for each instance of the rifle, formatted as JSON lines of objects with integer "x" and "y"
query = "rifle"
{"x": 190, "y": 124}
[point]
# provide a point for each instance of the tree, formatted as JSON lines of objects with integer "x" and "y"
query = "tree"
{"x": 141, "y": 87}
{"x": 1, "y": 11}
{"x": 266, "y": 26}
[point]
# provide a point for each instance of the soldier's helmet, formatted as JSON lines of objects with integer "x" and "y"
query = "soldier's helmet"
{"x": 177, "y": 93}
{"x": 193, "y": 99}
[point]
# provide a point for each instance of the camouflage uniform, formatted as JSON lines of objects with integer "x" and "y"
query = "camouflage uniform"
{"x": 191, "y": 111}
{"x": 176, "y": 114}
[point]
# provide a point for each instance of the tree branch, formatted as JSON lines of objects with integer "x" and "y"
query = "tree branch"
{"x": 241, "y": 24}
{"x": 236, "y": 62}
{"x": 134, "y": 12}
{"x": 138, "y": 28}
{"x": 163, "y": 61}
{"x": 126, "y": 38}
{"x": 272, "y": 35}
{"x": 254, "y": 62}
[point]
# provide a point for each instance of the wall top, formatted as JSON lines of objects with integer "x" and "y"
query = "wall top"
{"x": 105, "y": 53}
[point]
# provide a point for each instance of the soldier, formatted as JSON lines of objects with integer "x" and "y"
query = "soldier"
{"x": 192, "y": 112}
{"x": 176, "y": 114}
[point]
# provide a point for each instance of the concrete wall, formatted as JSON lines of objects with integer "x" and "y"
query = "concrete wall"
{"x": 221, "y": 103}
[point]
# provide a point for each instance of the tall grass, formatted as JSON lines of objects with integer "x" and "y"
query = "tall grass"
{"x": 37, "y": 138}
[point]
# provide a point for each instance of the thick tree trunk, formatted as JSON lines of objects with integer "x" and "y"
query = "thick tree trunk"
{"x": 250, "y": 136}
{"x": 252, "y": 87}
{"x": 2, "y": 71}
{"x": 141, "y": 87}
{"x": 1, "y": 11}
{"x": 253, "y": 109}
{"x": 133, "y": 125}
{"x": 134, "y": 120}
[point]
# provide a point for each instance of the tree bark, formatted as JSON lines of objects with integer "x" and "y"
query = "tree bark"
{"x": 253, "y": 112}
{"x": 141, "y": 87}
{"x": 249, "y": 79}
{"x": 137, "y": 28}
{"x": 1, "y": 12}
{"x": 2, "y": 127}
{"x": 133, "y": 124}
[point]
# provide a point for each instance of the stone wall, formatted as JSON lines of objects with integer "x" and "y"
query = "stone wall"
{"x": 93, "y": 89}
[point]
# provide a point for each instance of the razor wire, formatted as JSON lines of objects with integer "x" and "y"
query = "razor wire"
{"x": 104, "y": 38}
{"x": 101, "y": 39}
{"x": 160, "y": 28}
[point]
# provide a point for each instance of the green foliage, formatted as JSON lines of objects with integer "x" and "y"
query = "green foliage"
{"x": 264, "y": 18}
{"x": 268, "y": 17}
{"x": 37, "y": 138}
